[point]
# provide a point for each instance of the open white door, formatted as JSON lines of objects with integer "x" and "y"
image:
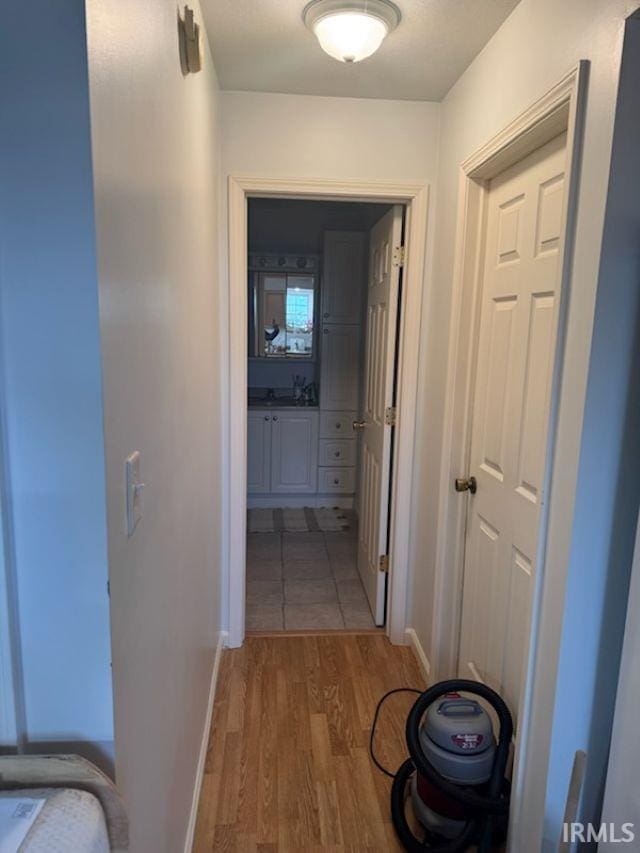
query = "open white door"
{"x": 380, "y": 351}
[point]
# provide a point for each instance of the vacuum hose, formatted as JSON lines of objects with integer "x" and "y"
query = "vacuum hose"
{"x": 482, "y": 808}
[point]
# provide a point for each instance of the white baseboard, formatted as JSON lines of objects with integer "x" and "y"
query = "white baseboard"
{"x": 298, "y": 501}
{"x": 419, "y": 652}
{"x": 204, "y": 744}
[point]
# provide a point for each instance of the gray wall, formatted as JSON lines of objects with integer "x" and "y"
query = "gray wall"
{"x": 51, "y": 375}
{"x": 609, "y": 484}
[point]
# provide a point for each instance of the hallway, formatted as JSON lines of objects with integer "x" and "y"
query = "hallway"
{"x": 252, "y": 285}
{"x": 288, "y": 765}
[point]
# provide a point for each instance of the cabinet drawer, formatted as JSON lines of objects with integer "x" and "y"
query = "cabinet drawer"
{"x": 337, "y": 452}
{"x": 337, "y": 480}
{"x": 337, "y": 424}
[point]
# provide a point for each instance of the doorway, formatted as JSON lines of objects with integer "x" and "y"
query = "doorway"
{"x": 394, "y": 565}
{"x": 557, "y": 112}
{"x": 324, "y": 290}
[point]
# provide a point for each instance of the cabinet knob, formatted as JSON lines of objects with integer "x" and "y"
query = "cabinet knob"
{"x": 275, "y": 417}
{"x": 267, "y": 418}
{"x": 336, "y": 482}
{"x": 337, "y": 454}
{"x": 338, "y": 425}
{"x": 326, "y": 315}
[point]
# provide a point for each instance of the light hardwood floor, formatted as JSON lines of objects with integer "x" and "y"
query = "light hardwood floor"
{"x": 288, "y": 767}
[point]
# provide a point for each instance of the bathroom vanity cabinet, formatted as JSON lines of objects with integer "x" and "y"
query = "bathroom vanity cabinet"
{"x": 282, "y": 451}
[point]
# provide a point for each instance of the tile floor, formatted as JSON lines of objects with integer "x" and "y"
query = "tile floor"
{"x": 304, "y": 581}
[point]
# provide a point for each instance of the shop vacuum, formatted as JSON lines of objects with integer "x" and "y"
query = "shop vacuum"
{"x": 455, "y": 776}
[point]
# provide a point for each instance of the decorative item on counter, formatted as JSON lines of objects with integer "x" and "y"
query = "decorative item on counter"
{"x": 299, "y": 384}
{"x": 311, "y": 394}
{"x": 271, "y": 335}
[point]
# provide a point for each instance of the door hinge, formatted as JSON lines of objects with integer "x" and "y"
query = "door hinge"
{"x": 398, "y": 256}
{"x": 384, "y": 563}
{"x": 390, "y": 416}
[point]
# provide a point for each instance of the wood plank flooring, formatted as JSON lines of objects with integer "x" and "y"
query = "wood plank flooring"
{"x": 288, "y": 767}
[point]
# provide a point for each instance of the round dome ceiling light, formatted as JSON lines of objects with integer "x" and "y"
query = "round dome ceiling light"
{"x": 351, "y": 30}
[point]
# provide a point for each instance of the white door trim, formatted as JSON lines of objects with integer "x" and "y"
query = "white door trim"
{"x": 560, "y": 109}
{"x": 415, "y": 197}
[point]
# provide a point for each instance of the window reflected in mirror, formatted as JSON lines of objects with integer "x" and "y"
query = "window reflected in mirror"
{"x": 299, "y": 315}
{"x": 282, "y": 310}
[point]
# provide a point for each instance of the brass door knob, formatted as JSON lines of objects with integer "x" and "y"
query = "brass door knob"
{"x": 466, "y": 484}
{"x": 359, "y": 424}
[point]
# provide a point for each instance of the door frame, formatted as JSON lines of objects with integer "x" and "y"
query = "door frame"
{"x": 415, "y": 198}
{"x": 12, "y": 711}
{"x": 560, "y": 109}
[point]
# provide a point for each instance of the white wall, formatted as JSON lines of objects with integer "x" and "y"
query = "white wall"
{"x": 538, "y": 43}
{"x": 308, "y": 136}
{"x": 305, "y": 136}
{"x": 155, "y": 148}
{"x": 298, "y": 226}
{"x": 51, "y": 379}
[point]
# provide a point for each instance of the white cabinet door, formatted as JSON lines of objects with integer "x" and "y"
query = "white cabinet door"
{"x": 340, "y": 367}
{"x": 294, "y": 452}
{"x": 258, "y": 451}
{"x": 343, "y": 277}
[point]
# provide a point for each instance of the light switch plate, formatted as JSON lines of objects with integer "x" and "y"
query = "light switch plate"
{"x": 134, "y": 486}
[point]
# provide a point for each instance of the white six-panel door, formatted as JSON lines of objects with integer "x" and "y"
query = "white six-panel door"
{"x": 516, "y": 348}
{"x": 382, "y": 310}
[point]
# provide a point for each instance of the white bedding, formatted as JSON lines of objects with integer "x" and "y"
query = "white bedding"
{"x": 71, "y": 821}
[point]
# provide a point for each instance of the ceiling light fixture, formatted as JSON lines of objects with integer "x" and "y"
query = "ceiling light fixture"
{"x": 351, "y": 30}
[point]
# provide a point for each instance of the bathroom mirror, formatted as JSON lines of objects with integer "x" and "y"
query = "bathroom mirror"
{"x": 282, "y": 314}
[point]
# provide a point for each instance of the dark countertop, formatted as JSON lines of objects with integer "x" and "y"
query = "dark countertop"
{"x": 277, "y": 403}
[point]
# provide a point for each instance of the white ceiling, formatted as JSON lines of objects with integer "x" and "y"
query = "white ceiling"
{"x": 263, "y": 46}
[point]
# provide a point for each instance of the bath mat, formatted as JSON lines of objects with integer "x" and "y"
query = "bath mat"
{"x": 299, "y": 520}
